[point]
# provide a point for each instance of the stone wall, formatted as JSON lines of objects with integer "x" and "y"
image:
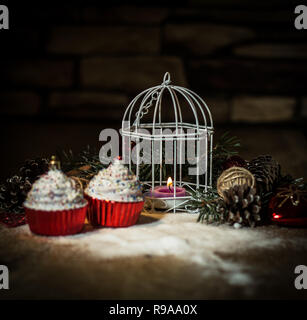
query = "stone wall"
{"x": 84, "y": 60}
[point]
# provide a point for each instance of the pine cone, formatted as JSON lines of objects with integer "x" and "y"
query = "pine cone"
{"x": 243, "y": 205}
{"x": 234, "y": 161}
{"x": 32, "y": 169}
{"x": 14, "y": 190}
{"x": 13, "y": 193}
{"x": 266, "y": 171}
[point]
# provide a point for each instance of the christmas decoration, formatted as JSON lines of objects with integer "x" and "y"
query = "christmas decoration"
{"x": 239, "y": 206}
{"x": 32, "y": 169}
{"x": 234, "y": 176}
{"x": 278, "y": 193}
{"x": 243, "y": 205}
{"x": 55, "y": 204}
{"x": 14, "y": 190}
{"x": 210, "y": 207}
{"x": 266, "y": 171}
{"x": 168, "y": 190}
{"x": 164, "y": 197}
{"x": 147, "y": 111}
{"x": 12, "y": 220}
{"x": 82, "y": 166}
{"x": 234, "y": 161}
{"x": 115, "y": 197}
{"x": 289, "y": 205}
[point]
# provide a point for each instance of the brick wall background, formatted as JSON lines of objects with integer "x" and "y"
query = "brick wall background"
{"x": 69, "y": 69}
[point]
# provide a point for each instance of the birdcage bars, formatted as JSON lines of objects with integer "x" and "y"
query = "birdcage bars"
{"x": 152, "y": 97}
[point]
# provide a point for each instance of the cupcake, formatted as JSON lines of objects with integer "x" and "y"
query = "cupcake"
{"x": 115, "y": 197}
{"x": 55, "y": 205}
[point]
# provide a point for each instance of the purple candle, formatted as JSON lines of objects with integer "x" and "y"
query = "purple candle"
{"x": 168, "y": 191}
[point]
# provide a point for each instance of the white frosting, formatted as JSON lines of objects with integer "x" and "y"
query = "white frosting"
{"x": 54, "y": 191}
{"x": 116, "y": 183}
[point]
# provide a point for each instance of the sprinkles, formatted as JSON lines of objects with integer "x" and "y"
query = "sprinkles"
{"x": 115, "y": 183}
{"x": 54, "y": 191}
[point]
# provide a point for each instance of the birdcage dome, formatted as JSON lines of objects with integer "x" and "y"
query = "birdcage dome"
{"x": 152, "y": 100}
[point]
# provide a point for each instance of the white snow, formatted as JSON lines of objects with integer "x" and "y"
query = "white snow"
{"x": 169, "y": 234}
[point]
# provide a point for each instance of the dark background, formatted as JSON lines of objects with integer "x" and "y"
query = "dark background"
{"x": 69, "y": 69}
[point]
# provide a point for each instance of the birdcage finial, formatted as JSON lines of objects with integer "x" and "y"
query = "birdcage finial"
{"x": 166, "y": 78}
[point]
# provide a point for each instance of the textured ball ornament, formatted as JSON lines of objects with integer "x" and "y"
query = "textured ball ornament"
{"x": 234, "y": 176}
{"x": 234, "y": 161}
{"x": 289, "y": 208}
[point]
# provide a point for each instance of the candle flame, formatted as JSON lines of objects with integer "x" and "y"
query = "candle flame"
{"x": 169, "y": 182}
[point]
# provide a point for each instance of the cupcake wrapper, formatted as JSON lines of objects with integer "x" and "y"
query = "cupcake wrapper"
{"x": 113, "y": 214}
{"x": 56, "y": 223}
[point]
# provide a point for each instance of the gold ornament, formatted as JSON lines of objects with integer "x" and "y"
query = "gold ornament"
{"x": 234, "y": 176}
{"x": 54, "y": 163}
{"x": 293, "y": 193}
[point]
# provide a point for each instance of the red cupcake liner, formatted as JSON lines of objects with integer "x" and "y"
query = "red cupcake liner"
{"x": 113, "y": 214}
{"x": 56, "y": 223}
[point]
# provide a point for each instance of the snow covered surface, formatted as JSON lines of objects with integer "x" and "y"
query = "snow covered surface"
{"x": 163, "y": 256}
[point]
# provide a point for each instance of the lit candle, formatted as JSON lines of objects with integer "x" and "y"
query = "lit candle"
{"x": 168, "y": 191}
{"x": 170, "y": 184}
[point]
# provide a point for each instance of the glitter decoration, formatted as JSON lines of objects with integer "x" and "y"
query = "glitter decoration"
{"x": 115, "y": 183}
{"x": 55, "y": 191}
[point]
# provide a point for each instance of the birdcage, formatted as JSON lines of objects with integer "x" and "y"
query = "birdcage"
{"x": 169, "y": 147}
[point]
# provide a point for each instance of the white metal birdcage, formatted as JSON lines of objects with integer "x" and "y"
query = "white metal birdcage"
{"x": 161, "y": 135}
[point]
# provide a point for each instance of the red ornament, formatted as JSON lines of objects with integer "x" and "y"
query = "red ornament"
{"x": 234, "y": 161}
{"x": 289, "y": 207}
{"x": 12, "y": 220}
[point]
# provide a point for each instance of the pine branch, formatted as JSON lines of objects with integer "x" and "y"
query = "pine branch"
{"x": 208, "y": 205}
{"x": 225, "y": 147}
{"x": 84, "y": 165}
